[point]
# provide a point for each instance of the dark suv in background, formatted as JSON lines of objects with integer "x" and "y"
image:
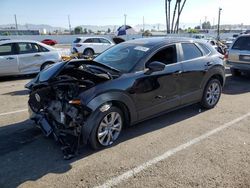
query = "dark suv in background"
{"x": 239, "y": 55}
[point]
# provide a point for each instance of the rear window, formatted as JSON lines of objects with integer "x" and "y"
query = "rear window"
{"x": 6, "y": 49}
{"x": 242, "y": 43}
{"x": 77, "y": 40}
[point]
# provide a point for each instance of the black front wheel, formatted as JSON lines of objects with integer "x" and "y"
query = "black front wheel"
{"x": 107, "y": 128}
{"x": 211, "y": 94}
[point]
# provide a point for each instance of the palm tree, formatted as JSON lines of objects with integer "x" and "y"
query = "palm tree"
{"x": 176, "y": 28}
{"x": 166, "y": 11}
{"x": 173, "y": 19}
{"x": 169, "y": 4}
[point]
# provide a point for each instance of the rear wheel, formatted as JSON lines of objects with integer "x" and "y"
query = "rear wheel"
{"x": 88, "y": 52}
{"x": 107, "y": 128}
{"x": 211, "y": 94}
{"x": 46, "y": 65}
{"x": 235, "y": 72}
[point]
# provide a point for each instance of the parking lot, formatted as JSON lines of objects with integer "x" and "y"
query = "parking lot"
{"x": 189, "y": 147}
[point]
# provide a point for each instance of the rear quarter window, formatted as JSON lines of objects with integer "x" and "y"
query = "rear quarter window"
{"x": 242, "y": 43}
{"x": 77, "y": 40}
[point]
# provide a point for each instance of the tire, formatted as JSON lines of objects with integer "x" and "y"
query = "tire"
{"x": 89, "y": 52}
{"x": 45, "y": 65}
{"x": 211, "y": 94}
{"x": 105, "y": 132}
{"x": 235, "y": 72}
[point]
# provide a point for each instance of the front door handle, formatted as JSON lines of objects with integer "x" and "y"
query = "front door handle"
{"x": 37, "y": 55}
{"x": 10, "y": 58}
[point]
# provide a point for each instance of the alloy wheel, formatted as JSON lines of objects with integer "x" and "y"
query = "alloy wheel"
{"x": 213, "y": 93}
{"x": 109, "y": 128}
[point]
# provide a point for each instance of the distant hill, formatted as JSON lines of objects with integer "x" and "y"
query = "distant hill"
{"x": 94, "y": 28}
{"x": 32, "y": 27}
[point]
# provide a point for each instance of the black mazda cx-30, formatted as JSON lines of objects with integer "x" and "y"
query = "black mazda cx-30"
{"x": 90, "y": 101}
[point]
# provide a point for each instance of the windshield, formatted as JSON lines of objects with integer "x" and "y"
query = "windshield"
{"x": 122, "y": 57}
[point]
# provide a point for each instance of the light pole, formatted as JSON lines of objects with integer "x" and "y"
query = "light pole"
{"x": 69, "y": 24}
{"x": 125, "y": 20}
{"x": 218, "y": 28}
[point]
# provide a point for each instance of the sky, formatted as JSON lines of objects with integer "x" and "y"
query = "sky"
{"x": 111, "y": 12}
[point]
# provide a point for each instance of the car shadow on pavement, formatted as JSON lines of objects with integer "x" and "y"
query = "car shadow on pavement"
{"x": 26, "y": 155}
{"x": 236, "y": 85}
{"x": 15, "y": 78}
{"x": 17, "y": 93}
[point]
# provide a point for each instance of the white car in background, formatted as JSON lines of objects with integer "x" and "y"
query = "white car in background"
{"x": 19, "y": 57}
{"x": 91, "y": 45}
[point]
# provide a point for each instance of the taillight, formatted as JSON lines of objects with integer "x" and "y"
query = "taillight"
{"x": 78, "y": 45}
{"x": 226, "y": 56}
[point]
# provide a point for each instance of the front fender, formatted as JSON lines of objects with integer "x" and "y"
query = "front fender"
{"x": 101, "y": 99}
{"x": 114, "y": 96}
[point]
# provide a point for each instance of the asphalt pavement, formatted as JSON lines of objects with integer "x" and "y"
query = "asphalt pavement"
{"x": 190, "y": 147}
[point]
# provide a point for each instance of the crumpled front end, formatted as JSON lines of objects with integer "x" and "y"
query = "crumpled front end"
{"x": 58, "y": 112}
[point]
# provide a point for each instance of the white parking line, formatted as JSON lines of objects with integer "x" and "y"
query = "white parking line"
{"x": 13, "y": 112}
{"x": 116, "y": 180}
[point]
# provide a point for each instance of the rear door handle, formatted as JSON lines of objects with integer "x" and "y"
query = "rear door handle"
{"x": 37, "y": 55}
{"x": 177, "y": 72}
{"x": 209, "y": 64}
{"x": 10, "y": 58}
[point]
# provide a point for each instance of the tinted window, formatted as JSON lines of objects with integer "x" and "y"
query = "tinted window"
{"x": 104, "y": 41}
{"x": 96, "y": 40}
{"x": 88, "y": 41}
{"x": 25, "y": 48}
{"x": 204, "y": 48}
{"x": 190, "y": 51}
{"x": 77, "y": 40}
{"x": 242, "y": 43}
{"x": 166, "y": 56}
{"x": 42, "y": 49}
{"x": 6, "y": 49}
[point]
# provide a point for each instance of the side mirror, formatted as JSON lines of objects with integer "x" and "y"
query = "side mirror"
{"x": 154, "y": 67}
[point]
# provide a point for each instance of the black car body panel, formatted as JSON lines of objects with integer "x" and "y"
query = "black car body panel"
{"x": 68, "y": 93}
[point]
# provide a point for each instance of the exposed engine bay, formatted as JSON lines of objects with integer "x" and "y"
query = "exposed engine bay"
{"x": 57, "y": 108}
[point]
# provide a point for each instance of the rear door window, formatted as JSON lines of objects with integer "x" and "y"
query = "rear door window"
{"x": 6, "y": 49}
{"x": 204, "y": 48}
{"x": 242, "y": 43}
{"x": 190, "y": 51}
{"x": 26, "y": 48}
{"x": 104, "y": 41}
{"x": 96, "y": 40}
{"x": 88, "y": 41}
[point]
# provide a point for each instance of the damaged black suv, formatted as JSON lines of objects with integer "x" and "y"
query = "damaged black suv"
{"x": 83, "y": 101}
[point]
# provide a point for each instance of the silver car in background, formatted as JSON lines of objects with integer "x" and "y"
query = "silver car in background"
{"x": 18, "y": 57}
{"x": 238, "y": 57}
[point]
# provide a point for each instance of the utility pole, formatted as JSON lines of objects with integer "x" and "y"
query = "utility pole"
{"x": 15, "y": 21}
{"x": 69, "y": 24}
{"x": 218, "y": 28}
{"x": 143, "y": 24}
{"x": 125, "y": 20}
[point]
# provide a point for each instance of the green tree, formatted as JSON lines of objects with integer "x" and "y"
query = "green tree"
{"x": 206, "y": 25}
{"x": 90, "y": 31}
{"x": 78, "y": 30}
{"x": 85, "y": 31}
